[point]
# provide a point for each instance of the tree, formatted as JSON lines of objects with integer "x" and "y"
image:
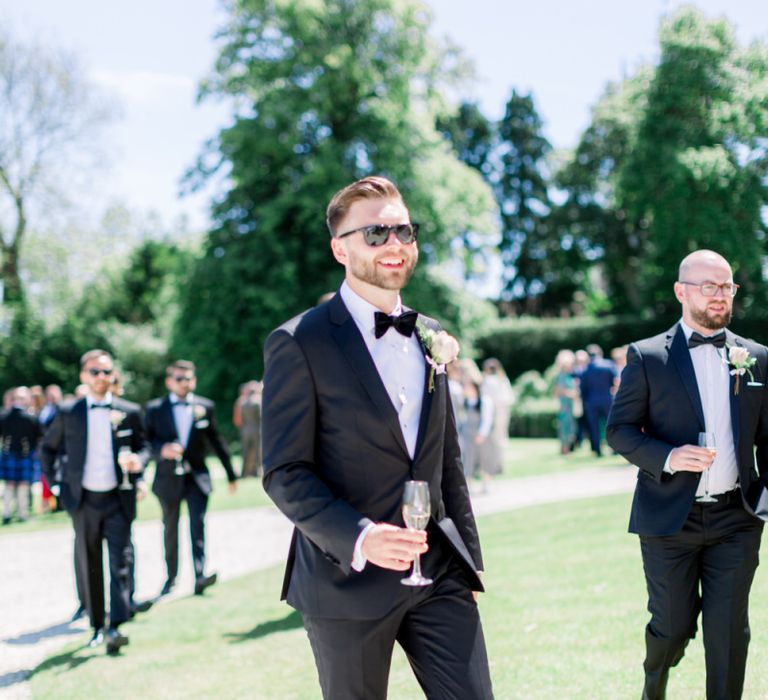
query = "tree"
{"x": 675, "y": 160}
{"x": 49, "y": 114}
{"x": 327, "y": 92}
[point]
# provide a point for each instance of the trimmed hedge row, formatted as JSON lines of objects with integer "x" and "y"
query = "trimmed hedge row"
{"x": 530, "y": 343}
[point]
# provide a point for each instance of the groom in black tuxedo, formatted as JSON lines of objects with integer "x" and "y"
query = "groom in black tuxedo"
{"x": 180, "y": 428}
{"x": 699, "y": 516}
{"x": 98, "y": 488}
{"x": 350, "y": 416}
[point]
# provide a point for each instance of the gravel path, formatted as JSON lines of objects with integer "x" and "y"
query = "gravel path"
{"x": 37, "y": 594}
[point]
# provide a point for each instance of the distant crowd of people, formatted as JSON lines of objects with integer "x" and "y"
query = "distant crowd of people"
{"x": 482, "y": 402}
{"x": 585, "y": 385}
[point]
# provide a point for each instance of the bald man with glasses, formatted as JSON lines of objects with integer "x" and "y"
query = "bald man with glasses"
{"x": 691, "y": 413}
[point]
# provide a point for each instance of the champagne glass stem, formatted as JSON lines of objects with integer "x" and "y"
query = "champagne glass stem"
{"x": 417, "y": 567}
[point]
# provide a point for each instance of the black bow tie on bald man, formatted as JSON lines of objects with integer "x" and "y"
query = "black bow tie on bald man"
{"x": 404, "y": 323}
{"x": 697, "y": 339}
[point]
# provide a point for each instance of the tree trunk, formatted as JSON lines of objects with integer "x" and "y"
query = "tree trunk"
{"x": 9, "y": 274}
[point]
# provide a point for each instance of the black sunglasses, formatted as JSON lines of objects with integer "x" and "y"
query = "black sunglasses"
{"x": 378, "y": 234}
{"x": 94, "y": 372}
{"x": 182, "y": 378}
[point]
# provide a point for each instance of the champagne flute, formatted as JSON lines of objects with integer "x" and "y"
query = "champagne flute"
{"x": 707, "y": 440}
{"x": 123, "y": 458}
{"x": 416, "y": 517}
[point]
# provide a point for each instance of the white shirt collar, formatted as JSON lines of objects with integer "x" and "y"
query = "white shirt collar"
{"x": 175, "y": 399}
{"x": 362, "y": 311}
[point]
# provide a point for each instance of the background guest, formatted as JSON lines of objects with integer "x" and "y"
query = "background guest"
{"x": 567, "y": 393}
{"x": 498, "y": 388}
{"x": 597, "y": 386}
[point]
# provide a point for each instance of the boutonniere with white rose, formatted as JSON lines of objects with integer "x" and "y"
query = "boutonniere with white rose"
{"x": 116, "y": 417}
{"x": 442, "y": 348}
{"x": 199, "y": 412}
{"x": 741, "y": 361}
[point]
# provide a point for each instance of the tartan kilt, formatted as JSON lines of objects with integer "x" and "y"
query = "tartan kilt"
{"x": 15, "y": 468}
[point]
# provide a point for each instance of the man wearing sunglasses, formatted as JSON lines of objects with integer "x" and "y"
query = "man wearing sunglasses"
{"x": 349, "y": 416}
{"x": 694, "y": 421}
{"x": 97, "y": 489}
{"x": 180, "y": 428}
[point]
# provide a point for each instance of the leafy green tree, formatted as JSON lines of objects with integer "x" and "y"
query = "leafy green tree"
{"x": 675, "y": 160}
{"x": 327, "y": 93}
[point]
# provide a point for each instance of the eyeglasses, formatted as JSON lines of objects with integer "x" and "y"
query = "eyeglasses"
{"x": 378, "y": 234}
{"x": 95, "y": 372}
{"x": 710, "y": 289}
{"x": 182, "y": 378}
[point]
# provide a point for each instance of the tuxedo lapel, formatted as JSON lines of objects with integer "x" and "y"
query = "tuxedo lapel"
{"x": 681, "y": 357}
{"x": 80, "y": 415}
{"x": 426, "y": 400}
{"x": 168, "y": 414}
{"x": 733, "y": 397}
{"x": 352, "y": 346}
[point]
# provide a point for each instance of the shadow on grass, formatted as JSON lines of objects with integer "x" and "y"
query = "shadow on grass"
{"x": 291, "y": 621}
{"x": 67, "y": 661}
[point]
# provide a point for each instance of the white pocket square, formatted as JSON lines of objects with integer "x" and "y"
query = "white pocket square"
{"x": 124, "y": 433}
{"x": 754, "y": 384}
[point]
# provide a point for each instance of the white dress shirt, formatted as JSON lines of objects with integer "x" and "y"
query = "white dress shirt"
{"x": 183, "y": 417}
{"x": 714, "y": 381}
{"x": 402, "y": 368}
{"x": 99, "y": 468}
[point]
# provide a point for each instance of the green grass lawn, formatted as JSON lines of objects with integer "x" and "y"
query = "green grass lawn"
{"x": 564, "y": 617}
{"x": 523, "y": 457}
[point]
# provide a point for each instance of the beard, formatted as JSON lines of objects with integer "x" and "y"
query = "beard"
{"x": 713, "y": 322}
{"x": 369, "y": 272}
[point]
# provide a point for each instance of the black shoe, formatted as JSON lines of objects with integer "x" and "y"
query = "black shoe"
{"x": 168, "y": 586}
{"x": 115, "y": 640}
{"x": 78, "y": 613}
{"x": 97, "y": 639}
{"x": 202, "y": 582}
{"x": 6, "y": 521}
{"x": 143, "y": 606}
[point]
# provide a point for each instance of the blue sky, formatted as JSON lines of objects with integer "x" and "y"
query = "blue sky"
{"x": 150, "y": 54}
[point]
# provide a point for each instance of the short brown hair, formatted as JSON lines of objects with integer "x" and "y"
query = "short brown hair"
{"x": 372, "y": 187}
{"x": 183, "y": 365}
{"x": 94, "y": 354}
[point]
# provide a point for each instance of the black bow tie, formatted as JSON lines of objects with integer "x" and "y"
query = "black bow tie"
{"x": 181, "y": 403}
{"x": 404, "y": 323}
{"x": 101, "y": 405}
{"x": 697, "y": 339}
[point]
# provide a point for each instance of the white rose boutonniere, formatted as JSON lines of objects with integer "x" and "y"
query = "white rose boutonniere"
{"x": 199, "y": 412}
{"x": 116, "y": 417}
{"x": 442, "y": 348}
{"x": 741, "y": 361}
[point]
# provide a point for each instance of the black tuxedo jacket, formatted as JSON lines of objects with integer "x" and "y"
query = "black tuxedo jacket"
{"x": 161, "y": 428}
{"x": 335, "y": 460}
{"x": 67, "y": 439}
{"x": 658, "y": 407}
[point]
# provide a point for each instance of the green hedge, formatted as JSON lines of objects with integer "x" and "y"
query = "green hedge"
{"x": 531, "y": 344}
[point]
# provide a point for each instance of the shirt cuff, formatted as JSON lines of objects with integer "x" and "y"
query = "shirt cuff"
{"x": 667, "y": 468}
{"x": 358, "y": 558}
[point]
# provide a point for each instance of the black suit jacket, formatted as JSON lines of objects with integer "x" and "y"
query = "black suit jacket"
{"x": 20, "y": 432}
{"x": 161, "y": 428}
{"x": 335, "y": 460}
{"x": 67, "y": 439}
{"x": 658, "y": 407}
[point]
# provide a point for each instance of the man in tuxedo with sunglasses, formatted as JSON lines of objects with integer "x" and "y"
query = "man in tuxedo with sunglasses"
{"x": 698, "y": 510}
{"x": 98, "y": 488}
{"x": 180, "y": 428}
{"x": 350, "y": 415}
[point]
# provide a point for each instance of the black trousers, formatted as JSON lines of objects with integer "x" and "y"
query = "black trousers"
{"x": 707, "y": 567}
{"x": 437, "y": 626}
{"x": 100, "y": 517}
{"x": 197, "y": 503}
